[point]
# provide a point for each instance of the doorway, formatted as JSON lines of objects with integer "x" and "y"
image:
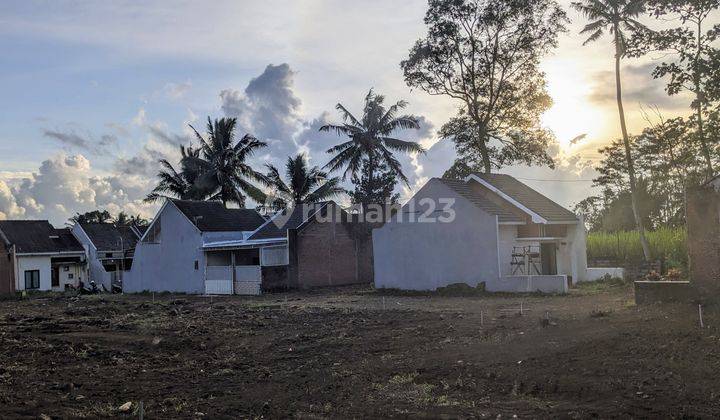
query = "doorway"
{"x": 55, "y": 276}
{"x": 548, "y": 257}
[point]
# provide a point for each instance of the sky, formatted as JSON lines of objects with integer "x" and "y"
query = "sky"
{"x": 94, "y": 93}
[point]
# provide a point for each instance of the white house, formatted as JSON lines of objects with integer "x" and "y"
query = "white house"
{"x": 109, "y": 250}
{"x": 169, "y": 257}
{"x": 487, "y": 228}
{"x": 36, "y": 256}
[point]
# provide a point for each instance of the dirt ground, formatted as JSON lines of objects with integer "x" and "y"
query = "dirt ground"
{"x": 356, "y": 352}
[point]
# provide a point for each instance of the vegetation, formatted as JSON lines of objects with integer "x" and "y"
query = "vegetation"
{"x": 305, "y": 185}
{"x": 177, "y": 184}
{"x": 486, "y": 55}
{"x": 371, "y": 145}
{"x": 668, "y": 244}
{"x": 104, "y": 216}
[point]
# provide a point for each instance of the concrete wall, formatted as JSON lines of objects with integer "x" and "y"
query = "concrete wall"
{"x": 425, "y": 256}
{"x": 96, "y": 271}
{"x": 597, "y": 273}
{"x": 169, "y": 266}
{"x": 29, "y": 263}
{"x": 529, "y": 284}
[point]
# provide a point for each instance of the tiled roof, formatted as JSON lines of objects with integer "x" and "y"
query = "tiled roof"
{"x": 464, "y": 189}
{"x": 108, "y": 237}
{"x": 528, "y": 197}
{"x": 38, "y": 236}
{"x": 277, "y": 226}
{"x": 212, "y": 216}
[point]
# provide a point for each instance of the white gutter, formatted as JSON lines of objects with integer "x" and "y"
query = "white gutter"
{"x": 245, "y": 243}
{"x": 536, "y": 218}
{"x": 43, "y": 254}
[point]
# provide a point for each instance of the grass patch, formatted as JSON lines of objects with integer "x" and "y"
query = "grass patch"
{"x": 669, "y": 244}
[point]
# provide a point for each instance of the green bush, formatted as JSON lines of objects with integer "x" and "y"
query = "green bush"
{"x": 669, "y": 244}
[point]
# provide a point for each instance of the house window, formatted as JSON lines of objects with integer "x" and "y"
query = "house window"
{"x": 197, "y": 265}
{"x": 32, "y": 279}
{"x": 153, "y": 235}
{"x": 274, "y": 255}
{"x": 70, "y": 276}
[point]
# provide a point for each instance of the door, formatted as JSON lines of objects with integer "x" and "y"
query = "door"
{"x": 55, "y": 276}
{"x": 548, "y": 256}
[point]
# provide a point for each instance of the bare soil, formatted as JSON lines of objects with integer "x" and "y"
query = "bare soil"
{"x": 357, "y": 352}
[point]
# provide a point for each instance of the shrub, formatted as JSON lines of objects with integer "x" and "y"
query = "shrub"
{"x": 669, "y": 244}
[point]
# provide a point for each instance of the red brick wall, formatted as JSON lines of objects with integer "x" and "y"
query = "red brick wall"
{"x": 7, "y": 278}
{"x": 332, "y": 254}
{"x": 703, "y": 221}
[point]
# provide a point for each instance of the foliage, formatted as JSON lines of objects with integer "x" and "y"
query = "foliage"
{"x": 222, "y": 171}
{"x": 486, "y": 55}
{"x": 379, "y": 190}
{"x": 95, "y": 216}
{"x": 174, "y": 184}
{"x": 665, "y": 243}
{"x": 371, "y": 143}
{"x": 306, "y": 185}
{"x": 123, "y": 219}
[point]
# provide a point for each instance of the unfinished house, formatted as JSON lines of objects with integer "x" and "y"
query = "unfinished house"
{"x": 34, "y": 256}
{"x": 307, "y": 246}
{"x": 169, "y": 257}
{"x": 110, "y": 250}
{"x": 487, "y": 228}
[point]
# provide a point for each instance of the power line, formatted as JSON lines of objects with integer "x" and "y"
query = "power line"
{"x": 555, "y": 180}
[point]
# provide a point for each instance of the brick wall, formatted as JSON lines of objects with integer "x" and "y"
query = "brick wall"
{"x": 7, "y": 278}
{"x": 703, "y": 222}
{"x": 333, "y": 253}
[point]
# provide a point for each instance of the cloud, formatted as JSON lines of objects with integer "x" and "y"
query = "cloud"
{"x": 177, "y": 90}
{"x": 87, "y": 143}
{"x": 638, "y": 87}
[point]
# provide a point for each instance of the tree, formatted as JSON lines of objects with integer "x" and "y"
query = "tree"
{"x": 378, "y": 190}
{"x": 305, "y": 185}
{"x": 371, "y": 143}
{"x": 695, "y": 68}
{"x": 95, "y": 216}
{"x": 123, "y": 219}
{"x": 174, "y": 184}
{"x": 486, "y": 54}
{"x": 222, "y": 171}
{"x": 618, "y": 16}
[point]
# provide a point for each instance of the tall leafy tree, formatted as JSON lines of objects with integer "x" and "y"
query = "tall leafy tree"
{"x": 222, "y": 168}
{"x": 379, "y": 190}
{"x": 178, "y": 184}
{"x": 371, "y": 139}
{"x": 486, "y": 54}
{"x": 618, "y": 17}
{"x": 95, "y": 216}
{"x": 691, "y": 60}
{"x": 304, "y": 184}
{"x": 124, "y": 219}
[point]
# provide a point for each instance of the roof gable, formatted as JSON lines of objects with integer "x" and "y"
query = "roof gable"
{"x": 465, "y": 190}
{"x": 212, "y": 216}
{"x": 108, "y": 237}
{"x": 38, "y": 237}
{"x": 526, "y": 198}
{"x": 278, "y": 225}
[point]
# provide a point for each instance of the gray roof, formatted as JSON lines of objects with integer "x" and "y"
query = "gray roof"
{"x": 465, "y": 190}
{"x": 212, "y": 216}
{"x": 528, "y": 197}
{"x": 37, "y": 236}
{"x": 108, "y": 237}
{"x": 293, "y": 218}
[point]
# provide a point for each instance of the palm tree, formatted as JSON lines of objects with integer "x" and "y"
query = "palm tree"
{"x": 174, "y": 184}
{"x": 617, "y": 16}
{"x": 370, "y": 138}
{"x": 306, "y": 185}
{"x": 123, "y": 219}
{"x": 221, "y": 167}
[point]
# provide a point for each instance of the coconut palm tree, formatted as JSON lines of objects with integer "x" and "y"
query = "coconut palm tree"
{"x": 371, "y": 138}
{"x": 178, "y": 184}
{"x": 222, "y": 168}
{"x": 305, "y": 185}
{"x": 617, "y": 16}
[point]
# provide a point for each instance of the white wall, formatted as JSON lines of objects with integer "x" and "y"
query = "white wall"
{"x": 425, "y": 256}
{"x": 41, "y": 263}
{"x": 96, "y": 271}
{"x": 169, "y": 266}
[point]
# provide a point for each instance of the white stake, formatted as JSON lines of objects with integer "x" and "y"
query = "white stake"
{"x": 383, "y": 303}
{"x": 521, "y": 311}
{"x": 482, "y": 320}
{"x": 700, "y": 313}
{"x": 153, "y": 297}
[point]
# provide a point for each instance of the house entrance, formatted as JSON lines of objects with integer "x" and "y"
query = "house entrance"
{"x": 548, "y": 257}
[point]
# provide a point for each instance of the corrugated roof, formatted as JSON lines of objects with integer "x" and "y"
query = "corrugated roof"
{"x": 212, "y": 216}
{"x": 528, "y": 197}
{"x": 277, "y": 226}
{"x": 108, "y": 237}
{"x": 465, "y": 190}
{"x": 38, "y": 236}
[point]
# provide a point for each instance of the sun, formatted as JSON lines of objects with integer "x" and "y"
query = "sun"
{"x": 572, "y": 114}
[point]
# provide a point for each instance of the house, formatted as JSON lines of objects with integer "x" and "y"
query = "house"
{"x": 169, "y": 257}
{"x": 109, "y": 249}
{"x": 487, "y": 228}
{"x": 306, "y": 246}
{"x": 36, "y": 256}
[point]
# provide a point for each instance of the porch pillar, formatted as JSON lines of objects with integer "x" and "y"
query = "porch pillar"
{"x": 232, "y": 264}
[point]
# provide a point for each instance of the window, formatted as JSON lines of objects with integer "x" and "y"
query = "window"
{"x": 153, "y": 235}
{"x": 32, "y": 279}
{"x": 197, "y": 265}
{"x": 71, "y": 276}
{"x": 274, "y": 255}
